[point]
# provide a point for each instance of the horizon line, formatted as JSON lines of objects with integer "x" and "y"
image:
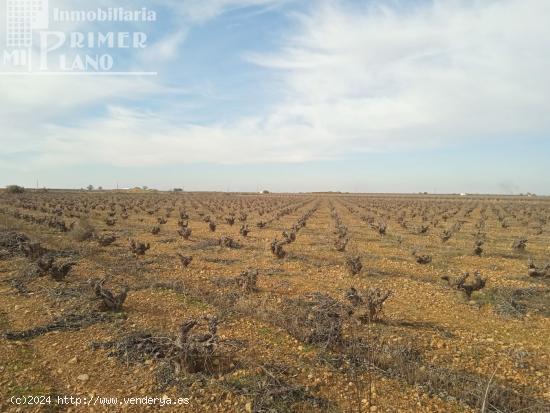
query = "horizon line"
{"x": 418, "y": 193}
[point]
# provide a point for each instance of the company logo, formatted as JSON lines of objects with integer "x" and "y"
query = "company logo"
{"x": 38, "y": 41}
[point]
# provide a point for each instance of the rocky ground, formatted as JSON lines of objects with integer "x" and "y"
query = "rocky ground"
{"x": 285, "y": 336}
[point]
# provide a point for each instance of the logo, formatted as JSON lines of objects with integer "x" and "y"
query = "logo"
{"x": 38, "y": 41}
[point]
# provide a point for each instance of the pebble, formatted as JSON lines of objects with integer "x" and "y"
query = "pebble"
{"x": 83, "y": 377}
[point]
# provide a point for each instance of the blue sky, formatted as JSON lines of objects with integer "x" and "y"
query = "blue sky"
{"x": 295, "y": 95}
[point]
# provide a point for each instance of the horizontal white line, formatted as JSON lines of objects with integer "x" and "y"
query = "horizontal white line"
{"x": 78, "y": 73}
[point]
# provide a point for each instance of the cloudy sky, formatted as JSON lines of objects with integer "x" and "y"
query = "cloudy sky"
{"x": 296, "y": 95}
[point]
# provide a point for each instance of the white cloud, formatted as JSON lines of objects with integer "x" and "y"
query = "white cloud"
{"x": 452, "y": 71}
{"x": 129, "y": 138}
{"x": 30, "y": 105}
{"x": 165, "y": 49}
{"x": 355, "y": 81}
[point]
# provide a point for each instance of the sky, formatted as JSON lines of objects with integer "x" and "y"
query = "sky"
{"x": 439, "y": 96}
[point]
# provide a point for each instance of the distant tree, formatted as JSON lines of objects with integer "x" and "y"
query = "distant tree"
{"x": 90, "y": 187}
{"x": 178, "y": 190}
{"x": 145, "y": 187}
{"x": 100, "y": 188}
{"x": 15, "y": 189}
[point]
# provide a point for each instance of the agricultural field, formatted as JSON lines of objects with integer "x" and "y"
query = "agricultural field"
{"x": 275, "y": 302}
